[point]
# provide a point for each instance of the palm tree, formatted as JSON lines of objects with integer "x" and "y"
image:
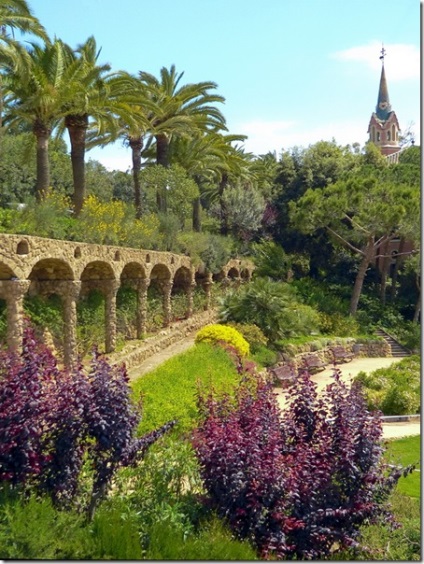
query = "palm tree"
{"x": 94, "y": 104}
{"x": 180, "y": 110}
{"x": 202, "y": 156}
{"x": 133, "y": 108}
{"x": 16, "y": 15}
{"x": 34, "y": 98}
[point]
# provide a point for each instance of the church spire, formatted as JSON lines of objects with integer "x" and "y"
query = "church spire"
{"x": 383, "y": 127}
{"x": 383, "y": 107}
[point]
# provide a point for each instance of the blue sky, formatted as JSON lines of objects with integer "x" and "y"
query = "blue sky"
{"x": 293, "y": 72}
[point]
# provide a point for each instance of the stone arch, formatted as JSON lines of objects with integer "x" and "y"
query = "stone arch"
{"x": 182, "y": 293}
{"x": 98, "y": 280}
{"x": 131, "y": 301}
{"x": 218, "y": 276}
{"x": 6, "y": 273}
{"x": 233, "y": 273}
{"x": 51, "y": 269}
{"x": 159, "y": 297}
{"x": 51, "y": 283}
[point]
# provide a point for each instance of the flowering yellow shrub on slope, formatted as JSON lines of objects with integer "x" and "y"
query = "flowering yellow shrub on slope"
{"x": 217, "y": 332}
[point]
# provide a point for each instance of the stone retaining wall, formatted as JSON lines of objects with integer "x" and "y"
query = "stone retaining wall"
{"x": 371, "y": 349}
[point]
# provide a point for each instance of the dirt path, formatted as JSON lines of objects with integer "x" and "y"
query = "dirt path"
{"x": 348, "y": 370}
{"x": 153, "y": 361}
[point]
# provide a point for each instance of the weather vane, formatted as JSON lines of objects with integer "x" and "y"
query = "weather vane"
{"x": 383, "y": 53}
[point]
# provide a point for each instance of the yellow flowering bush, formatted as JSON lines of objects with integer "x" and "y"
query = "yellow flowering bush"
{"x": 217, "y": 332}
{"x": 113, "y": 223}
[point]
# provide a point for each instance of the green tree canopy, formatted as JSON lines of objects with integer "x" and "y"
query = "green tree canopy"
{"x": 361, "y": 213}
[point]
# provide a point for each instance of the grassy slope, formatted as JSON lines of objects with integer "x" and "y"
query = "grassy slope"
{"x": 169, "y": 391}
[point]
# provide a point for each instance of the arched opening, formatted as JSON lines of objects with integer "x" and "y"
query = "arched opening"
{"x": 233, "y": 274}
{"x": 96, "y": 308}
{"x": 180, "y": 295}
{"x": 44, "y": 302}
{"x": 127, "y": 300}
{"x": 47, "y": 317}
{"x": 22, "y": 248}
{"x": 158, "y": 298}
{"x": 203, "y": 287}
{"x": 77, "y": 253}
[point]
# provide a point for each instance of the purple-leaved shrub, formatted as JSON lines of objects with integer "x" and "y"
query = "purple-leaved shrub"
{"x": 52, "y": 420}
{"x": 298, "y": 483}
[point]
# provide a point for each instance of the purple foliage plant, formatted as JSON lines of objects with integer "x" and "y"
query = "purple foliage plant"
{"x": 297, "y": 483}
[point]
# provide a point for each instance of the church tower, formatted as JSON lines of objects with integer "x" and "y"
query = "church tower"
{"x": 383, "y": 129}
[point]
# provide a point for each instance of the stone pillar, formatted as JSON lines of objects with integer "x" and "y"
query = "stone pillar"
{"x": 207, "y": 286}
{"x": 15, "y": 313}
{"x": 110, "y": 315}
{"x": 190, "y": 290}
{"x": 70, "y": 298}
{"x": 142, "y": 288}
{"x": 166, "y": 287}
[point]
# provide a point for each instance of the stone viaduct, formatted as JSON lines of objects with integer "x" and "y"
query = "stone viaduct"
{"x": 39, "y": 266}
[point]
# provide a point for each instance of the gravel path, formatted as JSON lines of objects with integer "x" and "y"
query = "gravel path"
{"x": 348, "y": 370}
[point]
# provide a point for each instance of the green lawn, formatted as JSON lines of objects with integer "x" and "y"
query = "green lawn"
{"x": 407, "y": 451}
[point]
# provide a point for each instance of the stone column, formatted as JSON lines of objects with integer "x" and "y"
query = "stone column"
{"x": 207, "y": 286}
{"x": 190, "y": 290}
{"x": 166, "y": 287}
{"x": 15, "y": 293}
{"x": 110, "y": 315}
{"x": 70, "y": 298}
{"x": 142, "y": 288}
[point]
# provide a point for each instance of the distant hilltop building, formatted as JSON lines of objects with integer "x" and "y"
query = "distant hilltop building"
{"x": 384, "y": 128}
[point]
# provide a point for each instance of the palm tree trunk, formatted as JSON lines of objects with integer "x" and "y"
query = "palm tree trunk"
{"x": 136, "y": 144}
{"x": 42, "y": 133}
{"x": 360, "y": 277}
{"x": 197, "y": 224}
{"x": 197, "y": 208}
{"x": 77, "y": 127}
{"x": 222, "y": 205}
{"x": 162, "y": 158}
{"x": 162, "y": 150}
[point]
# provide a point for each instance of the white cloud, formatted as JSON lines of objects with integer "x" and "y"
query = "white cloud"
{"x": 402, "y": 61}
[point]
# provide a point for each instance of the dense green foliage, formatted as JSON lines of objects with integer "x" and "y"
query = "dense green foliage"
{"x": 272, "y": 306}
{"x": 395, "y": 390}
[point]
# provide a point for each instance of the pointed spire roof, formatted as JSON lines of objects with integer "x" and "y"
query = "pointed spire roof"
{"x": 383, "y": 108}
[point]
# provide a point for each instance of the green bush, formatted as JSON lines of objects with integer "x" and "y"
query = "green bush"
{"x": 253, "y": 335}
{"x": 394, "y": 390}
{"x": 264, "y": 356}
{"x": 400, "y": 400}
{"x": 272, "y": 306}
{"x": 338, "y": 324}
{"x": 215, "y": 333}
{"x": 271, "y": 260}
